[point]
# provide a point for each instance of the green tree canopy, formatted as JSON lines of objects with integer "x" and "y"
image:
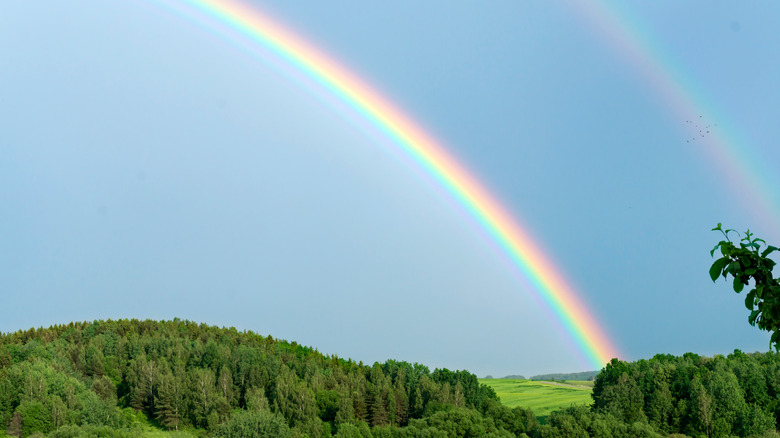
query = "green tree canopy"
{"x": 748, "y": 262}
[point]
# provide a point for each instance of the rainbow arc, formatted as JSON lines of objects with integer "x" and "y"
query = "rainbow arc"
{"x": 548, "y": 281}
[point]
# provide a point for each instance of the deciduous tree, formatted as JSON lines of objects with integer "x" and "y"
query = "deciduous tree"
{"x": 748, "y": 262}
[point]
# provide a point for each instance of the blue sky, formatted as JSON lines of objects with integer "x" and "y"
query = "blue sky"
{"x": 151, "y": 169}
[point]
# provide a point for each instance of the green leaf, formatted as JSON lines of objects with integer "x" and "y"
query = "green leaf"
{"x": 717, "y": 267}
{"x": 753, "y": 316}
{"x": 738, "y": 285}
{"x": 775, "y": 340}
{"x": 750, "y": 299}
{"x": 718, "y": 228}
{"x": 768, "y": 250}
{"x": 712, "y": 253}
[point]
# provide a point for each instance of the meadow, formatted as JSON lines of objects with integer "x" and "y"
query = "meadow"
{"x": 541, "y": 397}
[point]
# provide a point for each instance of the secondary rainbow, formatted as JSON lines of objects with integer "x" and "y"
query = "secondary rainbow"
{"x": 241, "y": 20}
{"x": 747, "y": 176}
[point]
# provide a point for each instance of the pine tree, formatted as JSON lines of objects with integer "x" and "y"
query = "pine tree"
{"x": 377, "y": 407}
{"x": 401, "y": 402}
{"x": 171, "y": 401}
{"x": 146, "y": 375}
{"x": 417, "y": 406}
{"x": 392, "y": 408}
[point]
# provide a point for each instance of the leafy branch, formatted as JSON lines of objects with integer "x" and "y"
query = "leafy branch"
{"x": 745, "y": 262}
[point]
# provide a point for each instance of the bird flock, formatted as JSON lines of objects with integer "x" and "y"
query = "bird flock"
{"x": 703, "y": 129}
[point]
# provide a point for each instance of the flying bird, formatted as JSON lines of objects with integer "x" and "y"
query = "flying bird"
{"x": 702, "y": 128}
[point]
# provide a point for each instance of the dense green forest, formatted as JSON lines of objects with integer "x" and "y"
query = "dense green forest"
{"x": 734, "y": 395}
{"x": 113, "y": 378}
{"x": 107, "y": 377}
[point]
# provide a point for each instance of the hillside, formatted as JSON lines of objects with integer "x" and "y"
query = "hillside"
{"x": 131, "y": 378}
{"x": 118, "y": 378}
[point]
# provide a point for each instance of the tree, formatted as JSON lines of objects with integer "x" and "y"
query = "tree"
{"x": 701, "y": 402}
{"x": 35, "y": 418}
{"x": 171, "y": 402}
{"x": 624, "y": 400}
{"x": 748, "y": 262}
{"x": 327, "y": 404}
{"x": 225, "y": 384}
{"x": 144, "y": 384}
{"x": 255, "y": 399}
{"x": 294, "y": 400}
{"x": 251, "y": 424}
{"x": 203, "y": 392}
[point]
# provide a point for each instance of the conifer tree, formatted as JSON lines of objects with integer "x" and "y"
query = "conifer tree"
{"x": 145, "y": 381}
{"x": 378, "y": 410}
{"x": 171, "y": 401}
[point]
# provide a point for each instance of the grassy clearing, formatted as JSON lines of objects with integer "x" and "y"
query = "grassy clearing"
{"x": 540, "y": 396}
{"x": 154, "y": 433}
{"x": 147, "y": 430}
{"x": 588, "y": 383}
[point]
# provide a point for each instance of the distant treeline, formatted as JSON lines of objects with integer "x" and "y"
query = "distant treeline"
{"x": 584, "y": 375}
{"x": 110, "y": 378}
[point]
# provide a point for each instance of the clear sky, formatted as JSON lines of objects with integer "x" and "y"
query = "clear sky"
{"x": 150, "y": 168}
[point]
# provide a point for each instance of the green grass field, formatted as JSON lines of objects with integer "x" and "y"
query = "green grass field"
{"x": 541, "y": 397}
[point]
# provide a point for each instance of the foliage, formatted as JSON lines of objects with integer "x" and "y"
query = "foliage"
{"x": 255, "y": 424}
{"x": 692, "y": 395}
{"x": 106, "y": 378}
{"x": 118, "y": 378}
{"x": 748, "y": 262}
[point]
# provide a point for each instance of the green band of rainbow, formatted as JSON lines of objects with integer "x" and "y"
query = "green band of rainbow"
{"x": 381, "y": 113}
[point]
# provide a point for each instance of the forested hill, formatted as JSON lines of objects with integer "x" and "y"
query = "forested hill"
{"x": 125, "y": 378}
{"x": 111, "y": 378}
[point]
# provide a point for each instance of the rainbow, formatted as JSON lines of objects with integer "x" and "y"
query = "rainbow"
{"x": 238, "y": 20}
{"x": 747, "y": 177}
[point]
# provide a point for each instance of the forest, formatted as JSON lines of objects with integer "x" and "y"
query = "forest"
{"x": 115, "y": 378}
